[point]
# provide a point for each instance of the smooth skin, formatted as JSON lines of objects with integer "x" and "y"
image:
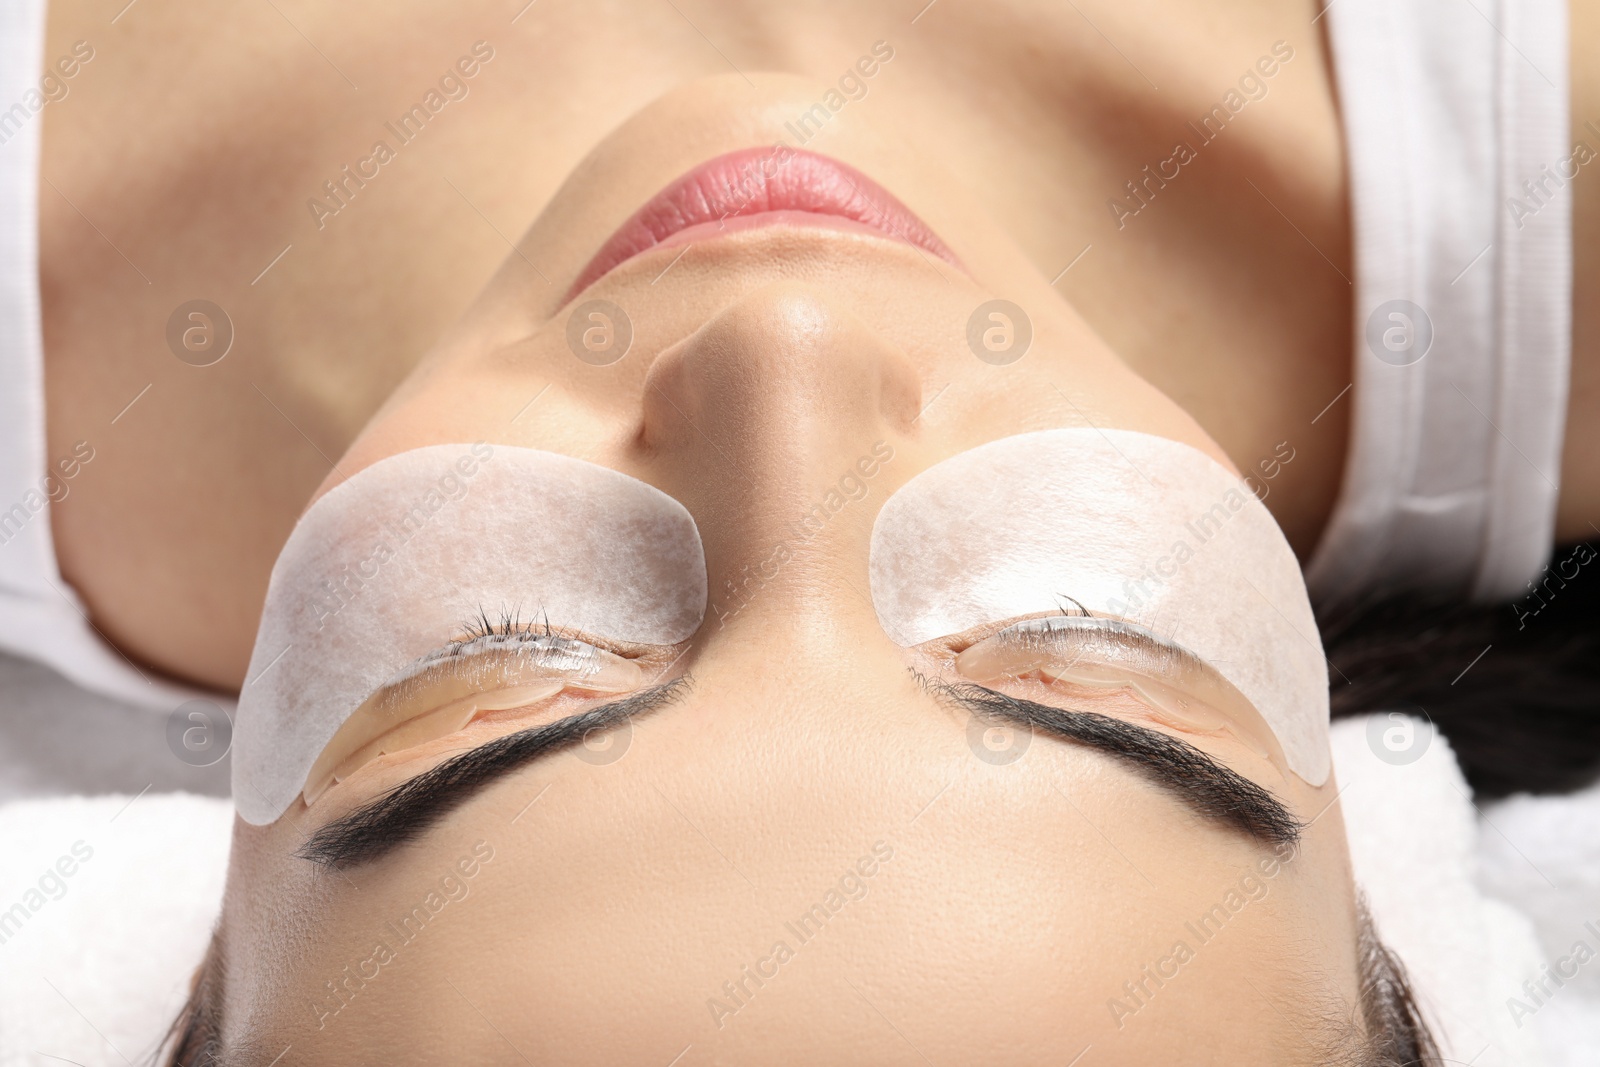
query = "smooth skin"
{"x": 763, "y": 366}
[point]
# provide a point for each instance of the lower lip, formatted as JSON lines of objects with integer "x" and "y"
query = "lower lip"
{"x": 755, "y": 188}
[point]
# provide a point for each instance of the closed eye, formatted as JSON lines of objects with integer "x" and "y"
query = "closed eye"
{"x": 409, "y": 810}
{"x": 440, "y": 693}
{"x": 1210, "y": 789}
{"x": 1075, "y": 653}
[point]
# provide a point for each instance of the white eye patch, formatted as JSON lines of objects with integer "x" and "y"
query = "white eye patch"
{"x": 388, "y": 566}
{"x": 1128, "y": 525}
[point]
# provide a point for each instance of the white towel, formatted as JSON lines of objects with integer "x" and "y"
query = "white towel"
{"x": 1413, "y": 844}
{"x": 100, "y": 962}
{"x": 1543, "y": 855}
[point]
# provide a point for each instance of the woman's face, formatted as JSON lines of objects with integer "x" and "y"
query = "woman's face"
{"x": 805, "y": 851}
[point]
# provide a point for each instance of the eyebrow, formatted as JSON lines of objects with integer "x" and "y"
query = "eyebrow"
{"x": 412, "y": 808}
{"x": 408, "y": 811}
{"x": 1210, "y": 789}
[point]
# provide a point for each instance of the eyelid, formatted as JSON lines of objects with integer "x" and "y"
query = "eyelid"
{"x": 446, "y": 689}
{"x": 1180, "y": 689}
{"x": 547, "y": 651}
{"x": 1089, "y": 638}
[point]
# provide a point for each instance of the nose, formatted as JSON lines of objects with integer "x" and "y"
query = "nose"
{"x": 774, "y": 424}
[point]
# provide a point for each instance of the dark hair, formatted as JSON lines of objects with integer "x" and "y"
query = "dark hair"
{"x": 195, "y": 1037}
{"x": 1514, "y": 687}
{"x": 1395, "y": 1033}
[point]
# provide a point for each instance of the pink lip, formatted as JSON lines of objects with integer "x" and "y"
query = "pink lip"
{"x": 760, "y": 186}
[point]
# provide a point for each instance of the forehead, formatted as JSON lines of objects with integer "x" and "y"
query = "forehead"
{"x": 581, "y": 901}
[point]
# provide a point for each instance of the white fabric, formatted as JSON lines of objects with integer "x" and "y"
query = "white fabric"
{"x": 96, "y": 974}
{"x": 1472, "y": 905}
{"x": 57, "y": 739}
{"x": 1412, "y": 843}
{"x": 40, "y": 615}
{"x": 1543, "y": 855}
{"x": 1449, "y": 106}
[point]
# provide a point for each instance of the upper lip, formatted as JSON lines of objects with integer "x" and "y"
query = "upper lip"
{"x": 759, "y": 181}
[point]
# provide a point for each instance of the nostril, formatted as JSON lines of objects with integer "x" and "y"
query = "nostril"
{"x": 785, "y": 362}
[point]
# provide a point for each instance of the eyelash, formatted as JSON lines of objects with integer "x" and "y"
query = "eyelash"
{"x": 1129, "y": 635}
{"x": 510, "y": 625}
{"x": 482, "y": 633}
{"x": 1082, "y": 611}
{"x": 979, "y": 634}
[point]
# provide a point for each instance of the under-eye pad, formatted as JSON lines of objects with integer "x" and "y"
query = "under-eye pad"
{"x": 1125, "y": 525}
{"x": 383, "y": 571}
